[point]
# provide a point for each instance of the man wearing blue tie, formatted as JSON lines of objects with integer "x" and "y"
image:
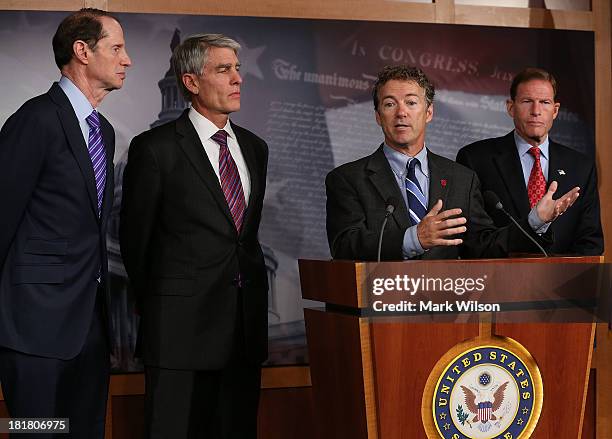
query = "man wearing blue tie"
{"x": 56, "y": 189}
{"x": 439, "y": 211}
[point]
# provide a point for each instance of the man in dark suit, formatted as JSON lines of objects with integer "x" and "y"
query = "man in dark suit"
{"x": 404, "y": 174}
{"x": 193, "y": 193}
{"x": 507, "y": 166}
{"x": 56, "y": 188}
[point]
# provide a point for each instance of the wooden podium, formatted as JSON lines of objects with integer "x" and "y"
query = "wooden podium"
{"x": 369, "y": 374}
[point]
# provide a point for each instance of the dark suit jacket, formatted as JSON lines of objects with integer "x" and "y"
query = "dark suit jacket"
{"x": 52, "y": 242}
{"x": 357, "y": 195}
{"x": 183, "y": 254}
{"x": 498, "y": 166}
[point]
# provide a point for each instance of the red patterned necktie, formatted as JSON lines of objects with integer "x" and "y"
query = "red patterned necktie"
{"x": 230, "y": 180}
{"x": 536, "y": 187}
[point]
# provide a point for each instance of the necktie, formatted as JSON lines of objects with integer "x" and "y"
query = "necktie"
{"x": 97, "y": 154}
{"x": 417, "y": 204}
{"x": 230, "y": 180}
{"x": 536, "y": 187}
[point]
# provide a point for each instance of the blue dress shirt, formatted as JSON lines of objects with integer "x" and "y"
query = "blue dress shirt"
{"x": 82, "y": 107}
{"x": 399, "y": 163}
{"x": 527, "y": 162}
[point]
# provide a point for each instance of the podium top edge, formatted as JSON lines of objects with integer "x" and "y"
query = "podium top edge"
{"x": 511, "y": 260}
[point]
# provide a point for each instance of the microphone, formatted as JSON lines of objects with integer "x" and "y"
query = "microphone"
{"x": 391, "y": 203}
{"x": 491, "y": 199}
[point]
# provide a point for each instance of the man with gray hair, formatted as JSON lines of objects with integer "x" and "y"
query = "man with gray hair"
{"x": 193, "y": 193}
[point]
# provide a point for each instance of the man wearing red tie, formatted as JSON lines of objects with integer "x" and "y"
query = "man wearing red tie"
{"x": 193, "y": 192}
{"x": 519, "y": 166}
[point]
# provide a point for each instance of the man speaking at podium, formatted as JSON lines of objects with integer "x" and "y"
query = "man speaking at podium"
{"x": 518, "y": 165}
{"x": 436, "y": 204}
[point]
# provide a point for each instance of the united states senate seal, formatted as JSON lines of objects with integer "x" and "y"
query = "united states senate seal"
{"x": 485, "y": 391}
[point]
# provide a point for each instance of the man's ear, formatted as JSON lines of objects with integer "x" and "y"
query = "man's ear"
{"x": 80, "y": 50}
{"x": 190, "y": 83}
{"x": 510, "y": 107}
{"x": 556, "y": 110}
{"x": 429, "y": 113}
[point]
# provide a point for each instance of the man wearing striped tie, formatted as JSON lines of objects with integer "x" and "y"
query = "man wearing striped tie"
{"x": 193, "y": 192}
{"x": 56, "y": 190}
{"x": 438, "y": 210}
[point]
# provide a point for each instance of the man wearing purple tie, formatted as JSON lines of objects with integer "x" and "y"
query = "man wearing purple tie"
{"x": 193, "y": 192}
{"x": 56, "y": 189}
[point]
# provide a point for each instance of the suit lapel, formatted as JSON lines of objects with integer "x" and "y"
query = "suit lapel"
{"x": 438, "y": 181}
{"x": 508, "y": 165}
{"x": 381, "y": 176}
{"x": 108, "y": 138}
{"x": 76, "y": 142}
{"x": 248, "y": 152}
{"x": 559, "y": 169}
{"x": 190, "y": 143}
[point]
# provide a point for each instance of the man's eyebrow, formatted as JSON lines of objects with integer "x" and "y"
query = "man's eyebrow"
{"x": 226, "y": 65}
{"x": 406, "y": 95}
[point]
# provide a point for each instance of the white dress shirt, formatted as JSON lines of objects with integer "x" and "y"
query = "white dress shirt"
{"x": 206, "y": 129}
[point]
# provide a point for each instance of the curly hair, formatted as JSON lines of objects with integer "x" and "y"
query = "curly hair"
{"x": 403, "y": 73}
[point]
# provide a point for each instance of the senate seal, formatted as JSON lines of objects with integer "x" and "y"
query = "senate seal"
{"x": 483, "y": 391}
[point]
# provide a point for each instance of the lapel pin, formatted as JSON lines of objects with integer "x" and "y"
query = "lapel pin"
{"x": 561, "y": 171}
{"x": 443, "y": 182}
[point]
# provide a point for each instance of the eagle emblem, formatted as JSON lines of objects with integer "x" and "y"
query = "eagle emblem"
{"x": 485, "y": 409}
{"x": 485, "y": 392}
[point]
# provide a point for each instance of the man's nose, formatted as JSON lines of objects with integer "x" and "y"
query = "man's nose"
{"x": 236, "y": 78}
{"x": 402, "y": 110}
{"x": 126, "y": 61}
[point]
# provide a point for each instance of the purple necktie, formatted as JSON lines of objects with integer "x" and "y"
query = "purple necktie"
{"x": 97, "y": 155}
{"x": 230, "y": 180}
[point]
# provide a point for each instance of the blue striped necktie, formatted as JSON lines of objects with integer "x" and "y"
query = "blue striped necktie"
{"x": 97, "y": 154}
{"x": 417, "y": 205}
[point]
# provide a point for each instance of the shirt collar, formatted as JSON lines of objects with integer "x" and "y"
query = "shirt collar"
{"x": 399, "y": 161}
{"x": 205, "y": 127}
{"x": 82, "y": 107}
{"x": 523, "y": 147}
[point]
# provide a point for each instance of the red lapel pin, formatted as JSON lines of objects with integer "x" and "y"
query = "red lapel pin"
{"x": 443, "y": 182}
